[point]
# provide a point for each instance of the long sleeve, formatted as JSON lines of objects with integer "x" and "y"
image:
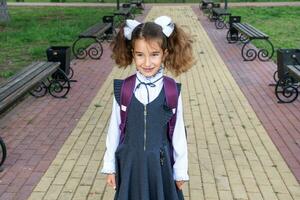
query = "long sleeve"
{"x": 180, "y": 146}
{"x": 112, "y": 139}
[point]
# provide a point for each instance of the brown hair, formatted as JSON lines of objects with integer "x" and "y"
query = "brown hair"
{"x": 178, "y": 45}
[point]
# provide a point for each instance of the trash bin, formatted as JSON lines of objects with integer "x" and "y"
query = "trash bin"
{"x": 286, "y": 57}
{"x": 60, "y": 54}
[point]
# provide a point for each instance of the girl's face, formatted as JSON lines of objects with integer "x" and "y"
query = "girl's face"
{"x": 148, "y": 56}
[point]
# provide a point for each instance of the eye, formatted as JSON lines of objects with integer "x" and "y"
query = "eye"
{"x": 155, "y": 54}
{"x": 139, "y": 54}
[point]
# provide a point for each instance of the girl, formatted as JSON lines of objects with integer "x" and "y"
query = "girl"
{"x": 146, "y": 164}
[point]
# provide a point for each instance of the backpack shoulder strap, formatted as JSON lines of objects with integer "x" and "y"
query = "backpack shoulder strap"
{"x": 172, "y": 94}
{"x": 125, "y": 99}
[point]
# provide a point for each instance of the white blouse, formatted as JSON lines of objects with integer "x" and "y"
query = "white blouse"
{"x": 180, "y": 166}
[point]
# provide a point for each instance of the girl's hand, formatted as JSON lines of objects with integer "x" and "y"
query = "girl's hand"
{"x": 179, "y": 184}
{"x": 111, "y": 180}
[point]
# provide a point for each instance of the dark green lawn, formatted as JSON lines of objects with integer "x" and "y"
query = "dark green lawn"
{"x": 282, "y": 24}
{"x": 32, "y": 30}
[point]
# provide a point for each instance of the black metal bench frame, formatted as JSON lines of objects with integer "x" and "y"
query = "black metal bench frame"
{"x": 139, "y": 4}
{"x": 246, "y": 33}
{"x": 288, "y": 75}
{"x": 220, "y": 15}
{"x": 3, "y": 152}
{"x": 99, "y": 32}
{"x": 206, "y": 4}
{"x": 125, "y": 12}
{"x": 37, "y": 79}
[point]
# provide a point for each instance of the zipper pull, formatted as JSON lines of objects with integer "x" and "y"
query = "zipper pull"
{"x": 162, "y": 157}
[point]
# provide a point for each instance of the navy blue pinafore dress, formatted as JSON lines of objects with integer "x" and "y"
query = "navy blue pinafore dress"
{"x": 143, "y": 166}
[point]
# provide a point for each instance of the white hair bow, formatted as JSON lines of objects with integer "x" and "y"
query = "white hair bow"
{"x": 164, "y": 21}
{"x": 166, "y": 24}
{"x": 129, "y": 27}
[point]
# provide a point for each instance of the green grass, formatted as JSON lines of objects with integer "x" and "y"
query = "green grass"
{"x": 32, "y": 30}
{"x": 280, "y": 23}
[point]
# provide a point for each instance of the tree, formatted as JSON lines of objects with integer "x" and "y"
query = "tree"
{"x": 4, "y": 16}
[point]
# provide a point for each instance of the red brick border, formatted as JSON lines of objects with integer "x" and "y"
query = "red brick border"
{"x": 281, "y": 121}
{"x": 35, "y": 130}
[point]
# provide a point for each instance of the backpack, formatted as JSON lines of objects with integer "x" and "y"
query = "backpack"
{"x": 171, "y": 92}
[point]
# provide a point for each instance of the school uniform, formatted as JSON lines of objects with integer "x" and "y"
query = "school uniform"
{"x": 142, "y": 162}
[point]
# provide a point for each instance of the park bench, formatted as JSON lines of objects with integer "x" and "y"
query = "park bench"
{"x": 97, "y": 33}
{"x": 32, "y": 79}
{"x": 287, "y": 76}
{"x": 125, "y": 12}
{"x": 2, "y": 153}
{"x": 206, "y": 4}
{"x": 246, "y": 33}
{"x": 219, "y": 15}
{"x": 139, "y": 4}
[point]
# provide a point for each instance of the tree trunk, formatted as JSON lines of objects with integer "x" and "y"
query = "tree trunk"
{"x": 4, "y": 16}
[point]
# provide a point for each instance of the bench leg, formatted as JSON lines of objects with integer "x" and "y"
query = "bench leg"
{"x": 286, "y": 90}
{"x": 96, "y": 50}
{"x": 232, "y": 36}
{"x": 264, "y": 55}
{"x": 110, "y": 35}
{"x": 141, "y": 6}
{"x": 220, "y": 22}
{"x": 2, "y": 153}
{"x": 202, "y": 6}
{"x": 275, "y": 78}
{"x": 59, "y": 84}
{"x": 212, "y": 16}
{"x": 249, "y": 54}
{"x": 79, "y": 53}
{"x": 40, "y": 90}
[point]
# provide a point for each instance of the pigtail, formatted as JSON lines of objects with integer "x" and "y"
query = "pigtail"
{"x": 121, "y": 49}
{"x": 180, "y": 53}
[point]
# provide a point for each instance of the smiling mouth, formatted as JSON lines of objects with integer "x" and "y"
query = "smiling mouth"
{"x": 148, "y": 69}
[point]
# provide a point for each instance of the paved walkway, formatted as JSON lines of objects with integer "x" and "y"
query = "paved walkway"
{"x": 280, "y": 120}
{"x": 231, "y": 155}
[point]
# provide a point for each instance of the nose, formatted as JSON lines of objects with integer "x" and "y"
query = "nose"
{"x": 147, "y": 61}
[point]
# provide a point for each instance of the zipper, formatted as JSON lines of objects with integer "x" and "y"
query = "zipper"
{"x": 145, "y": 126}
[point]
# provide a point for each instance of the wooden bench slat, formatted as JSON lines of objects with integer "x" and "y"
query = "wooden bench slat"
{"x": 22, "y": 90}
{"x": 295, "y": 70}
{"x": 250, "y": 31}
{"x": 96, "y": 30}
{"x": 22, "y": 72}
{"x": 26, "y": 79}
{"x": 33, "y": 68}
{"x": 221, "y": 11}
{"x": 255, "y": 31}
